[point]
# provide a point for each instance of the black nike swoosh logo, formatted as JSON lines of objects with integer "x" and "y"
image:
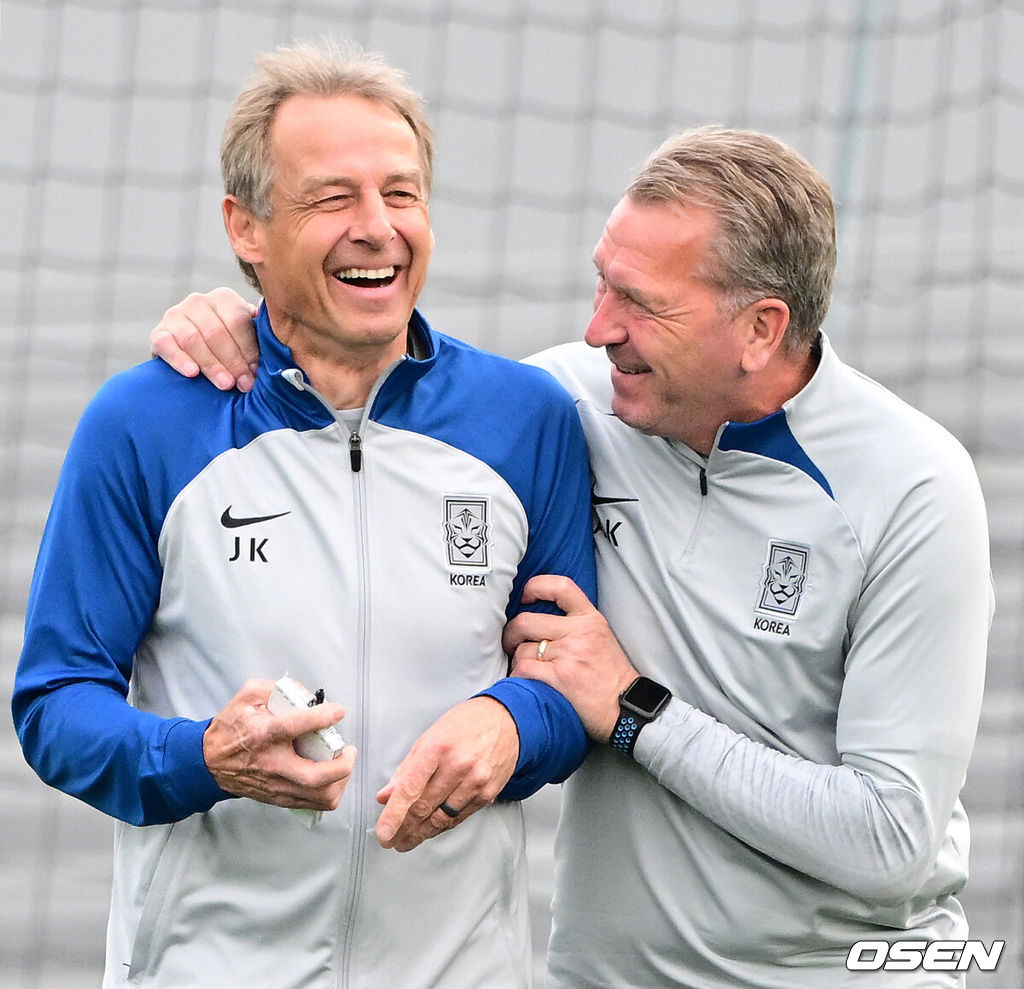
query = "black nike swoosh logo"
{"x": 229, "y": 522}
{"x": 598, "y": 500}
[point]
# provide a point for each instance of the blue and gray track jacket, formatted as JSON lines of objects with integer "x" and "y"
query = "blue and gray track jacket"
{"x": 198, "y": 539}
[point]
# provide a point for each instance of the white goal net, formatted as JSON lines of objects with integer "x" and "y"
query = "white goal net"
{"x": 109, "y": 198}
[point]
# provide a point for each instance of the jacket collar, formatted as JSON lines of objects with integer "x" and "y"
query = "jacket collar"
{"x": 276, "y": 358}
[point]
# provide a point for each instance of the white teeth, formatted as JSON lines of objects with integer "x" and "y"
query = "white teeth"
{"x": 376, "y": 273}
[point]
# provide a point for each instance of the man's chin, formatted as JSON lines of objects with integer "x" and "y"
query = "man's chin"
{"x": 632, "y": 416}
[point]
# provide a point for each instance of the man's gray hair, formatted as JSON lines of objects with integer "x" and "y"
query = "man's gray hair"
{"x": 324, "y": 68}
{"x": 776, "y": 217}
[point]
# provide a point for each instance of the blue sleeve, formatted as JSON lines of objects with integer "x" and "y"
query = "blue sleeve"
{"x": 552, "y": 741}
{"x": 94, "y": 592}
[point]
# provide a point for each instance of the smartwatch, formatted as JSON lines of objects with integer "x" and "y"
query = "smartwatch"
{"x": 639, "y": 704}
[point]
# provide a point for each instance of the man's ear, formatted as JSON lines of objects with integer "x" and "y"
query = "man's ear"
{"x": 764, "y": 326}
{"x": 243, "y": 231}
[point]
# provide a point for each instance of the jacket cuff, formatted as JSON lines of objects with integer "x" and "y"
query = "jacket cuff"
{"x": 552, "y": 741}
{"x": 194, "y": 788}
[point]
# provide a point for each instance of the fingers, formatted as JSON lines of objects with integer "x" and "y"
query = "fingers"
{"x": 403, "y": 796}
{"x": 463, "y": 760}
{"x": 413, "y": 798}
{"x": 250, "y": 752}
{"x": 314, "y": 785}
{"x": 535, "y": 626}
{"x": 406, "y": 823}
{"x": 290, "y": 726}
{"x": 586, "y": 664}
{"x": 530, "y": 627}
{"x": 563, "y": 591}
{"x": 526, "y": 663}
{"x": 540, "y": 654}
{"x": 212, "y": 334}
{"x": 286, "y": 727}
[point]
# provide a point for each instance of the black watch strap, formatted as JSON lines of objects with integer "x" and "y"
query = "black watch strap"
{"x": 625, "y": 732}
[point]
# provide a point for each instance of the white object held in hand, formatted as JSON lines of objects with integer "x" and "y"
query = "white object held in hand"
{"x": 321, "y": 745}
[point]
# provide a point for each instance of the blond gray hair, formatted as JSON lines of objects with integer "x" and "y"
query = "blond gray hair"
{"x": 776, "y": 219}
{"x": 324, "y": 68}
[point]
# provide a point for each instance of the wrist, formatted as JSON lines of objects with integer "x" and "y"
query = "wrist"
{"x": 640, "y": 703}
{"x": 552, "y": 741}
{"x": 184, "y": 762}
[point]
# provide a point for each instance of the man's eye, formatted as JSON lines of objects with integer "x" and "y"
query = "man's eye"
{"x": 401, "y": 196}
{"x": 340, "y": 199}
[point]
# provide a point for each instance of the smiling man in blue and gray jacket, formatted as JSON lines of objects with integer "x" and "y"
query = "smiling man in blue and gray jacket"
{"x": 365, "y": 519}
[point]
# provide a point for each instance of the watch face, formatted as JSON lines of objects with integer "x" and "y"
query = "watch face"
{"x": 645, "y": 696}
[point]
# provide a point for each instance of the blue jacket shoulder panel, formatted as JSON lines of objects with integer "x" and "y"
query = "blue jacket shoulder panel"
{"x": 772, "y": 437}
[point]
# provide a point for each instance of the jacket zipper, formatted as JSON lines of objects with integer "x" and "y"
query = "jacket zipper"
{"x": 355, "y": 440}
{"x": 356, "y": 458}
{"x": 362, "y": 652}
{"x": 703, "y": 487}
{"x": 355, "y": 451}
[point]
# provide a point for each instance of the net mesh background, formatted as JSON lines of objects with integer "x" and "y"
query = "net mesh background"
{"x": 110, "y": 192}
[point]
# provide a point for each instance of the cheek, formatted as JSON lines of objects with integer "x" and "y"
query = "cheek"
{"x": 674, "y": 364}
{"x": 303, "y": 249}
{"x": 412, "y": 225}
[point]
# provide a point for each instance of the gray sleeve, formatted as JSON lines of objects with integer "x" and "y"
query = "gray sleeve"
{"x": 838, "y": 825}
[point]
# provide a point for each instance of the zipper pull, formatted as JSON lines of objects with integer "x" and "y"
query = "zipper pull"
{"x": 703, "y": 481}
{"x": 355, "y": 451}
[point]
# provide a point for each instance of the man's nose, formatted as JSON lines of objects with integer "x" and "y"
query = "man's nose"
{"x": 606, "y": 325}
{"x": 371, "y": 223}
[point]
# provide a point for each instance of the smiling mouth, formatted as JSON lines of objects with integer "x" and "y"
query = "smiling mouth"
{"x": 633, "y": 369}
{"x": 367, "y": 277}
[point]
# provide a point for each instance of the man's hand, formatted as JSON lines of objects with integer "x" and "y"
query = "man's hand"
{"x": 463, "y": 760}
{"x": 211, "y": 333}
{"x": 250, "y": 752}
{"x": 581, "y": 658}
